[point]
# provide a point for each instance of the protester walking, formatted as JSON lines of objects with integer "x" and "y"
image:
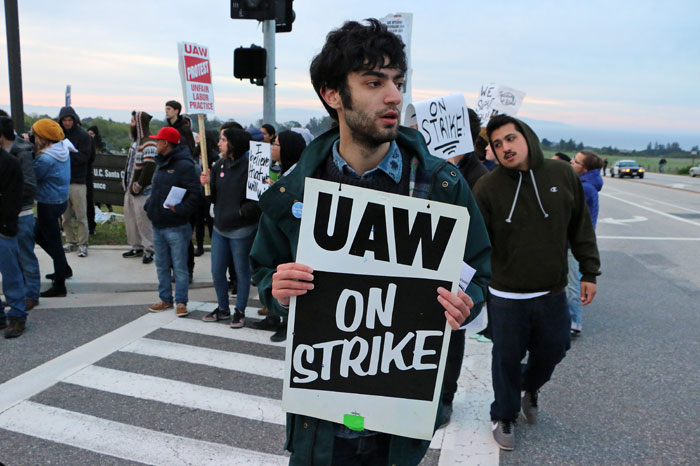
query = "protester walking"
{"x": 172, "y": 232}
{"x": 81, "y": 159}
{"x": 532, "y": 206}
{"x": 140, "y": 165}
{"x": 587, "y": 165}
{"x": 360, "y": 87}
{"x": 235, "y": 224}
{"x": 53, "y": 174}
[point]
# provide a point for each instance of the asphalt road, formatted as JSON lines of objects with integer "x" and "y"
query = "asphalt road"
{"x": 628, "y": 391}
{"x": 100, "y": 383}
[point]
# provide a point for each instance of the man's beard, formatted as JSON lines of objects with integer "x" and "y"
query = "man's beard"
{"x": 364, "y": 128}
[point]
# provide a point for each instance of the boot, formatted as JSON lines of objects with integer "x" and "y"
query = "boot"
{"x": 52, "y": 276}
{"x": 15, "y": 327}
{"x": 57, "y": 290}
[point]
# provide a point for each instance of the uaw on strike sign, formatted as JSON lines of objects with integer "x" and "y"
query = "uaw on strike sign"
{"x": 195, "y": 75}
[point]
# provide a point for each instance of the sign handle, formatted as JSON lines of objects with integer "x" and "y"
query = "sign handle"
{"x": 203, "y": 151}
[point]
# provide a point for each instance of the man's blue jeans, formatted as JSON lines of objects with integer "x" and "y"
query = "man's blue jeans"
{"x": 223, "y": 248}
{"x": 540, "y": 326}
{"x": 12, "y": 279}
{"x": 170, "y": 244}
{"x": 27, "y": 258}
{"x": 573, "y": 294}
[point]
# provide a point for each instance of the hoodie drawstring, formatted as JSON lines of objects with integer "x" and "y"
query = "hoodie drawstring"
{"x": 515, "y": 199}
{"x": 537, "y": 194}
{"x": 517, "y": 191}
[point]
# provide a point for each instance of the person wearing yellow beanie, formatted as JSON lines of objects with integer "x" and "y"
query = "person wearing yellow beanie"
{"x": 48, "y": 129}
{"x": 52, "y": 170}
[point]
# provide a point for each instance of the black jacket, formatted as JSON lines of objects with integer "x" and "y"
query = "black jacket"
{"x": 471, "y": 168}
{"x": 174, "y": 169}
{"x": 79, "y": 161}
{"x": 11, "y": 186}
{"x": 186, "y": 136}
{"x": 22, "y": 150}
{"x": 228, "y": 194}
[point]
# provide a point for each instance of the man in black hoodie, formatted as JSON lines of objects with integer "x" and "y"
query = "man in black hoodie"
{"x": 172, "y": 232}
{"x": 80, "y": 161}
{"x": 532, "y": 207}
{"x": 180, "y": 123}
{"x": 11, "y": 186}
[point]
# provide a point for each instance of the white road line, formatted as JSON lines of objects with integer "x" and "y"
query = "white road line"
{"x": 675, "y": 217}
{"x": 222, "y": 331}
{"x": 180, "y": 393}
{"x": 649, "y": 238}
{"x": 655, "y": 201}
{"x": 42, "y": 377}
{"x": 209, "y": 357}
{"x": 125, "y": 441}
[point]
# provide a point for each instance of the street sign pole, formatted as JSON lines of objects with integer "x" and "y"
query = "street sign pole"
{"x": 14, "y": 64}
{"x": 269, "y": 87}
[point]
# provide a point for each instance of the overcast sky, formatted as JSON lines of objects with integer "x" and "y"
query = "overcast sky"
{"x": 612, "y": 66}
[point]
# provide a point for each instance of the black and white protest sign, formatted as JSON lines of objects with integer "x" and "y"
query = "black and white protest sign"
{"x": 401, "y": 24}
{"x": 258, "y": 169}
{"x": 495, "y": 99}
{"x": 444, "y": 123}
{"x": 370, "y": 340}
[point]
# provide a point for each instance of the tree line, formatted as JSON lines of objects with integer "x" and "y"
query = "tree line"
{"x": 672, "y": 149}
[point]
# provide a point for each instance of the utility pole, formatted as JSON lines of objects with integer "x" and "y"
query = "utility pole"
{"x": 15, "y": 65}
{"x": 269, "y": 86}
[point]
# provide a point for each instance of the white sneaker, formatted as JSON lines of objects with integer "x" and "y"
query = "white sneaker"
{"x": 82, "y": 251}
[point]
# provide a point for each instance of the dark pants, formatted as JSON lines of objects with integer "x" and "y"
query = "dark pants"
{"x": 48, "y": 235}
{"x": 90, "y": 202}
{"x": 363, "y": 451}
{"x": 453, "y": 365}
{"x": 539, "y": 326}
{"x": 203, "y": 219}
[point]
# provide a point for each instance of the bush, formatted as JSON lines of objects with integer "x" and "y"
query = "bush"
{"x": 684, "y": 170}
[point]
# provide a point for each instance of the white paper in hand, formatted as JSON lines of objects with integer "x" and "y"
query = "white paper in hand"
{"x": 175, "y": 196}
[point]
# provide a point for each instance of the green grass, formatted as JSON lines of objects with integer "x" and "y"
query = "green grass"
{"x": 650, "y": 164}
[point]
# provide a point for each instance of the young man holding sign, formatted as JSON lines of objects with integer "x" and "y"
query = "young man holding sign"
{"x": 359, "y": 75}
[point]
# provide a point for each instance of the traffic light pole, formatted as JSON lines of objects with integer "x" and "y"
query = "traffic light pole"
{"x": 15, "y": 65}
{"x": 269, "y": 86}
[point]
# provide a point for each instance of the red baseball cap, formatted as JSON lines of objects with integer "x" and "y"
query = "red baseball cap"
{"x": 169, "y": 134}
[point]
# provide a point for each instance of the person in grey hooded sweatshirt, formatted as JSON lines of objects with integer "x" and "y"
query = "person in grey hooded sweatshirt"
{"x": 52, "y": 170}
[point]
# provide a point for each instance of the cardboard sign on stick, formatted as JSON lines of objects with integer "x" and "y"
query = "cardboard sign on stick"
{"x": 444, "y": 123}
{"x": 495, "y": 99}
{"x": 195, "y": 76}
{"x": 258, "y": 169}
{"x": 367, "y": 346}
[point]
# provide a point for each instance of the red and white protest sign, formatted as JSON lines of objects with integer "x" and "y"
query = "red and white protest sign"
{"x": 195, "y": 75}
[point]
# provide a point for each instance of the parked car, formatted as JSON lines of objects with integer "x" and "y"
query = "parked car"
{"x": 694, "y": 171}
{"x": 624, "y": 168}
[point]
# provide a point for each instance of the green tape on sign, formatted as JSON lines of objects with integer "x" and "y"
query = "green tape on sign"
{"x": 353, "y": 422}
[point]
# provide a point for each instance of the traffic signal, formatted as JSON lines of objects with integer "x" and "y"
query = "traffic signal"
{"x": 284, "y": 16}
{"x": 250, "y": 62}
{"x": 253, "y": 9}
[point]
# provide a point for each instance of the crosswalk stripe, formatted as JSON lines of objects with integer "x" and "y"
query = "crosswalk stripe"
{"x": 179, "y": 393}
{"x": 222, "y": 331}
{"x": 125, "y": 441}
{"x": 208, "y": 357}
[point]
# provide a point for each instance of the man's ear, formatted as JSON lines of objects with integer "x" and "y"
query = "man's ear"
{"x": 332, "y": 98}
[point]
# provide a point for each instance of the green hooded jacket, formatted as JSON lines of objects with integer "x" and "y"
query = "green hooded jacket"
{"x": 311, "y": 439}
{"x": 530, "y": 216}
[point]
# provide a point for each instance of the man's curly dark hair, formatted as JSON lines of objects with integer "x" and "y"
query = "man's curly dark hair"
{"x": 354, "y": 47}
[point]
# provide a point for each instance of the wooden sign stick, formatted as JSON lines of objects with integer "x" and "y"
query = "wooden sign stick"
{"x": 203, "y": 151}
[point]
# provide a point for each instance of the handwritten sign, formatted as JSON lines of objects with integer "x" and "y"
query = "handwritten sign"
{"x": 195, "y": 76}
{"x": 258, "y": 169}
{"x": 495, "y": 99}
{"x": 444, "y": 123}
{"x": 370, "y": 340}
{"x": 401, "y": 24}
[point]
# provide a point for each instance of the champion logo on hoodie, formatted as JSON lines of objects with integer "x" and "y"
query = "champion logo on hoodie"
{"x": 554, "y": 189}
